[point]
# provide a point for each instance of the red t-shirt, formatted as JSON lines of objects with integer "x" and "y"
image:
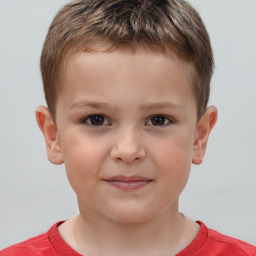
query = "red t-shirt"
{"x": 208, "y": 242}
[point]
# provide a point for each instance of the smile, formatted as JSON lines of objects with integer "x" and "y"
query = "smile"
{"x": 128, "y": 183}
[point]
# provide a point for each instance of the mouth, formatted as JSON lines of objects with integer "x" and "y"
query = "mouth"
{"x": 128, "y": 183}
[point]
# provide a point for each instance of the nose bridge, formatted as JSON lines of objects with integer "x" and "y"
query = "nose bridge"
{"x": 128, "y": 144}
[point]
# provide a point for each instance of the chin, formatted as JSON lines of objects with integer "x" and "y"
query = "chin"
{"x": 131, "y": 216}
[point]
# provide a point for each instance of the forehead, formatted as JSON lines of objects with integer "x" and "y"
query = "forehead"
{"x": 131, "y": 68}
{"x": 142, "y": 58}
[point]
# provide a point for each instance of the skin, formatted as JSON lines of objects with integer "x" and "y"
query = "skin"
{"x": 147, "y": 125}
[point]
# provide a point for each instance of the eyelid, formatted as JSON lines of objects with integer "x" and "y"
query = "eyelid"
{"x": 84, "y": 120}
{"x": 168, "y": 118}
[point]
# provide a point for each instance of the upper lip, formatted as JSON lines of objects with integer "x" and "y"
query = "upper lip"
{"x": 128, "y": 178}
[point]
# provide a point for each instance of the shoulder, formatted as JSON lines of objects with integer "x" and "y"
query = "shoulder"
{"x": 212, "y": 243}
{"x": 36, "y": 246}
{"x": 228, "y": 245}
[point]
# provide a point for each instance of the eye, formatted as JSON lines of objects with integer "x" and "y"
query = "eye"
{"x": 159, "y": 120}
{"x": 96, "y": 120}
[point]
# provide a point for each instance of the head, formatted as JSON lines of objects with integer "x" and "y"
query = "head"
{"x": 127, "y": 92}
{"x": 150, "y": 24}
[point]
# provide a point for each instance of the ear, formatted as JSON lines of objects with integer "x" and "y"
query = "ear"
{"x": 204, "y": 127}
{"x": 50, "y": 132}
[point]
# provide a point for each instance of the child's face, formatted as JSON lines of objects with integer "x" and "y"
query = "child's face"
{"x": 127, "y": 132}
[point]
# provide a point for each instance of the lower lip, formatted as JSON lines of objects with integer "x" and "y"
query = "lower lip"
{"x": 128, "y": 185}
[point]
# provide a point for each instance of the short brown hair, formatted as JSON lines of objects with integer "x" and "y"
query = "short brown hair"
{"x": 162, "y": 24}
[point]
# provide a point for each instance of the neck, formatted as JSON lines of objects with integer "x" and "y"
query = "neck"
{"x": 166, "y": 234}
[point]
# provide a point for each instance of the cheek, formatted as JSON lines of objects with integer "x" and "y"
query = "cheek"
{"x": 83, "y": 160}
{"x": 173, "y": 158}
{"x": 173, "y": 151}
{"x": 82, "y": 151}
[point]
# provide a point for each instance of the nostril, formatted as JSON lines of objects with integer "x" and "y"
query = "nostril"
{"x": 127, "y": 155}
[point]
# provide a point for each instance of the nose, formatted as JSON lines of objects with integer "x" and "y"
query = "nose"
{"x": 128, "y": 147}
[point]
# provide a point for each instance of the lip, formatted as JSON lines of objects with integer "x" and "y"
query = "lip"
{"x": 128, "y": 183}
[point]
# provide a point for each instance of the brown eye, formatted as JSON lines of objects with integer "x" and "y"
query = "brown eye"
{"x": 159, "y": 120}
{"x": 96, "y": 120}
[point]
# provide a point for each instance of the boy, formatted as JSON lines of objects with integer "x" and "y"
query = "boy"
{"x": 127, "y": 94}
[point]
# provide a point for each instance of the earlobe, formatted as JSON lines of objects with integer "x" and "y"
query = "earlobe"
{"x": 204, "y": 127}
{"x": 49, "y": 130}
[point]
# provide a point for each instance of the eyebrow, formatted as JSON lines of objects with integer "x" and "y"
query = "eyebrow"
{"x": 143, "y": 107}
{"x": 93, "y": 105}
{"x": 161, "y": 105}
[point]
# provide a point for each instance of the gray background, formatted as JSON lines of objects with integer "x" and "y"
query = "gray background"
{"x": 35, "y": 194}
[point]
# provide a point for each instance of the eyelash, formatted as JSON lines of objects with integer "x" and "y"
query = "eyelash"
{"x": 85, "y": 120}
{"x": 167, "y": 120}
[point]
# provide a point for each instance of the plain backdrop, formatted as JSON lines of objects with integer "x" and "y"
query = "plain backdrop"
{"x": 35, "y": 194}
